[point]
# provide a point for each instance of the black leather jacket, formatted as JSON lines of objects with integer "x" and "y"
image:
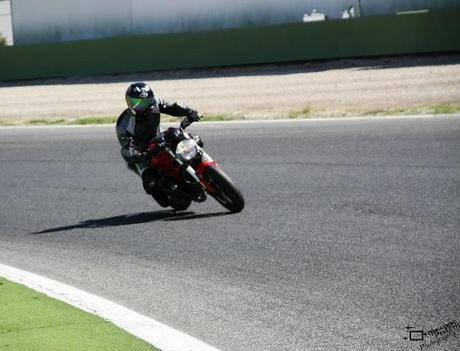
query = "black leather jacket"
{"x": 134, "y": 135}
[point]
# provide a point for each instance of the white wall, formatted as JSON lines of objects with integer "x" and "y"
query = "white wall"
{"x": 61, "y": 20}
{"x": 5, "y": 22}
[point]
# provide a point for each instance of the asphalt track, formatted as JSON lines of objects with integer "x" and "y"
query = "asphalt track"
{"x": 350, "y": 233}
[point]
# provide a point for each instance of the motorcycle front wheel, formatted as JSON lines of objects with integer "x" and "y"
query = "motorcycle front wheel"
{"x": 225, "y": 192}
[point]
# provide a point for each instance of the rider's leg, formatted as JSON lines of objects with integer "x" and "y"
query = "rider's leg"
{"x": 151, "y": 187}
{"x": 149, "y": 182}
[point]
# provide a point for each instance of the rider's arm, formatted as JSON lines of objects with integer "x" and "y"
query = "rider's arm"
{"x": 129, "y": 153}
{"x": 177, "y": 109}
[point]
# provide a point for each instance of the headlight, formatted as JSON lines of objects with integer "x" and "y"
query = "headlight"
{"x": 187, "y": 149}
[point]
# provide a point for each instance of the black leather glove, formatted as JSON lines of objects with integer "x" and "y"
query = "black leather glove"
{"x": 131, "y": 155}
{"x": 193, "y": 116}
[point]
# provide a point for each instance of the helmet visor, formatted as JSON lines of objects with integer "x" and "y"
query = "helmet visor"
{"x": 140, "y": 104}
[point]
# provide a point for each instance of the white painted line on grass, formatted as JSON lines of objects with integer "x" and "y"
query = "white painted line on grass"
{"x": 155, "y": 333}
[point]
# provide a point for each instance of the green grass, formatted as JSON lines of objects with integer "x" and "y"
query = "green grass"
{"x": 94, "y": 120}
{"x": 33, "y": 321}
{"x": 446, "y": 108}
{"x": 219, "y": 117}
{"x": 46, "y": 121}
{"x": 415, "y": 110}
{"x": 5, "y": 123}
{"x": 307, "y": 111}
{"x": 112, "y": 120}
{"x": 78, "y": 121}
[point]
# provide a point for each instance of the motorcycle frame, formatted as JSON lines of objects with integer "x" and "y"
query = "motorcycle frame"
{"x": 167, "y": 161}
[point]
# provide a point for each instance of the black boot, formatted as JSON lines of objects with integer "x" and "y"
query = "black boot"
{"x": 149, "y": 180}
{"x": 163, "y": 199}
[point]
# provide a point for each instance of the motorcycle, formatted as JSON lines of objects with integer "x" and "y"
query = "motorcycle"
{"x": 187, "y": 173}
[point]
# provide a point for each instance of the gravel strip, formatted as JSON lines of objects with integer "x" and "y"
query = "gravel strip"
{"x": 337, "y": 87}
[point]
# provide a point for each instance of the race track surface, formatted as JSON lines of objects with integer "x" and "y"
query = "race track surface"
{"x": 350, "y": 233}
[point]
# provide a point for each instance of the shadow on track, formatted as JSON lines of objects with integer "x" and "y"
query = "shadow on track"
{"x": 135, "y": 218}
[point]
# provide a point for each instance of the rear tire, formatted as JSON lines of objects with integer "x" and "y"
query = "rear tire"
{"x": 226, "y": 192}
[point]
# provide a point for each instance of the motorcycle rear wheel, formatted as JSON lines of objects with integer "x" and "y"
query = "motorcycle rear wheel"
{"x": 226, "y": 192}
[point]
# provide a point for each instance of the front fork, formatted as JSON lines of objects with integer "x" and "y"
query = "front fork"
{"x": 198, "y": 175}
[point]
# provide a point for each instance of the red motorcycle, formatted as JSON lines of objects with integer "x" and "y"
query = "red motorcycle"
{"x": 187, "y": 173}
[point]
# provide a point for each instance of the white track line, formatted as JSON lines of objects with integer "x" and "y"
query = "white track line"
{"x": 155, "y": 333}
{"x": 248, "y": 121}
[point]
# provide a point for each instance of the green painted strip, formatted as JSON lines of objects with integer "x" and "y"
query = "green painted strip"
{"x": 370, "y": 36}
{"x": 32, "y": 321}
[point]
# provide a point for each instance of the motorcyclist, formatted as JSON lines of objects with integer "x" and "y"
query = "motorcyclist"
{"x": 138, "y": 125}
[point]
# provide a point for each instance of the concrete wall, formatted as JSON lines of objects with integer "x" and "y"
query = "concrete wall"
{"x": 5, "y": 22}
{"x": 62, "y": 20}
{"x": 368, "y": 36}
{"x": 37, "y": 21}
{"x": 381, "y": 7}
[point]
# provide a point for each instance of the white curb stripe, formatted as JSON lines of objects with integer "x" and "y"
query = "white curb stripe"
{"x": 155, "y": 333}
{"x": 246, "y": 121}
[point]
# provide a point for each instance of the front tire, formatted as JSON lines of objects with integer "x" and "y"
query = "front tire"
{"x": 225, "y": 192}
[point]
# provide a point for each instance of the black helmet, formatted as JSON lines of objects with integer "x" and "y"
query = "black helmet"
{"x": 139, "y": 98}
